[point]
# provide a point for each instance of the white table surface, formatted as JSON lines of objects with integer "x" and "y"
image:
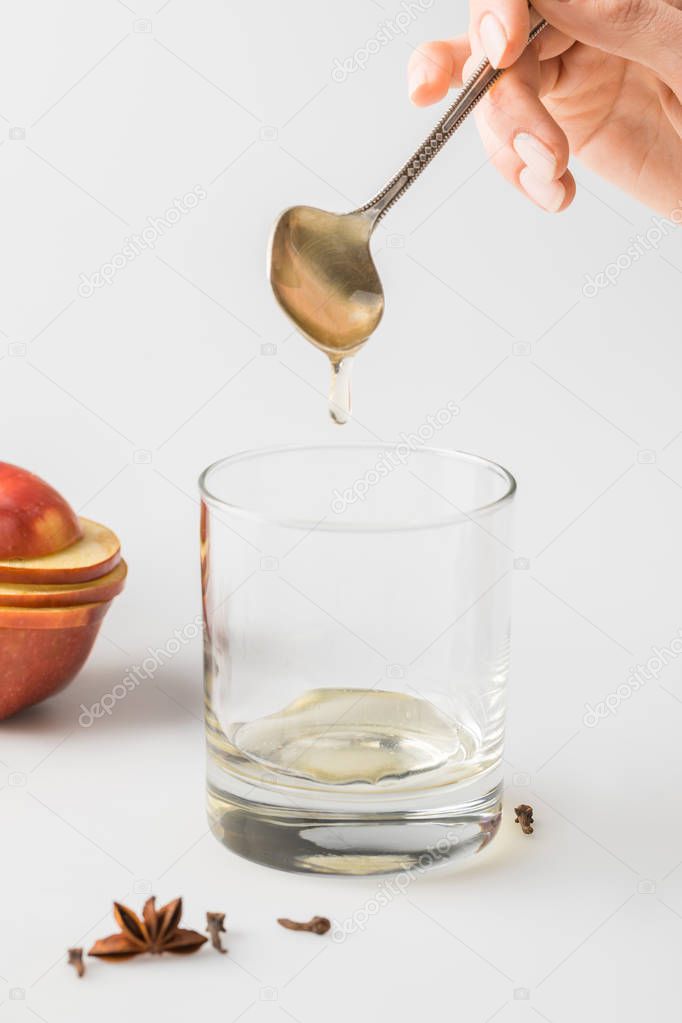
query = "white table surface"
{"x": 119, "y": 400}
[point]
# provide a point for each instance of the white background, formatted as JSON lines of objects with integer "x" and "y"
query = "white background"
{"x": 121, "y": 398}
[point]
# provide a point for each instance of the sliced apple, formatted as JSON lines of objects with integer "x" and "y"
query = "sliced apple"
{"x": 95, "y": 554}
{"x": 34, "y": 519}
{"x": 69, "y": 594}
{"x": 51, "y": 617}
{"x": 41, "y": 649}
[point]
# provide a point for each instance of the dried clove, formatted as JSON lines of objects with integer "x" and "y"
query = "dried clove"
{"x": 76, "y": 960}
{"x": 215, "y": 925}
{"x": 318, "y": 925}
{"x": 524, "y": 817}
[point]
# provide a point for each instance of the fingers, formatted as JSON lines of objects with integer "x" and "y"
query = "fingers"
{"x": 522, "y": 138}
{"x": 434, "y": 68}
{"x": 523, "y": 141}
{"x": 646, "y": 31}
{"x": 516, "y": 116}
{"x": 500, "y": 29}
{"x": 552, "y": 196}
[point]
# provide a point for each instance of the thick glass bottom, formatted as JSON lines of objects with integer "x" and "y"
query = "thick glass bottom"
{"x": 351, "y": 842}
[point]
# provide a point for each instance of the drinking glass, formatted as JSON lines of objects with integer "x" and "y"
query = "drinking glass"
{"x": 356, "y": 605}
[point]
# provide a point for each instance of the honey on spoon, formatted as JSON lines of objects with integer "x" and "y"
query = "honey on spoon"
{"x": 321, "y": 267}
{"x": 323, "y": 276}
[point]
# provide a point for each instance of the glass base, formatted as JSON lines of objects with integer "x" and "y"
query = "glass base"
{"x": 334, "y": 842}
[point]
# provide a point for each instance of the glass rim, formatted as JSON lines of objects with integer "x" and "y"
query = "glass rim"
{"x": 338, "y": 526}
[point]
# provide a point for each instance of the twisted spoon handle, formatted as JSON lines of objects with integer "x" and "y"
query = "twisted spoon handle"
{"x": 474, "y": 89}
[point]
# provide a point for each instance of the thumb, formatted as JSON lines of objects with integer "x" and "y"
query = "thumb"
{"x": 646, "y": 31}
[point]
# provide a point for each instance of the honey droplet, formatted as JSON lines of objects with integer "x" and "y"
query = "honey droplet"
{"x": 339, "y": 391}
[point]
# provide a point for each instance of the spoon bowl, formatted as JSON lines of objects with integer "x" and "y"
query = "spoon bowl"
{"x": 324, "y": 277}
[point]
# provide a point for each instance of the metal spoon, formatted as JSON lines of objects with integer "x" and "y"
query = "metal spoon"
{"x": 321, "y": 266}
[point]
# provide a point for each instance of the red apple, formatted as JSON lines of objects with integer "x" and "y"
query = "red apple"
{"x": 95, "y": 554}
{"x": 34, "y": 519}
{"x": 66, "y": 595}
{"x": 41, "y": 649}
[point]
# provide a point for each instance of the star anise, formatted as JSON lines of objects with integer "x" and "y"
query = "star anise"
{"x": 156, "y": 932}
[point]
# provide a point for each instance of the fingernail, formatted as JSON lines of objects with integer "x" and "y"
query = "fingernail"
{"x": 537, "y": 157}
{"x": 493, "y": 37}
{"x": 417, "y": 77}
{"x": 548, "y": 194}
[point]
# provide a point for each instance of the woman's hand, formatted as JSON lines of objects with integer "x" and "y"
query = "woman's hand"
{"x": 603, "y": 83}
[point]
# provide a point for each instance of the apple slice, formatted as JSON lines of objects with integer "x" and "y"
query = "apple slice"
{"x": 70, "y": 594}
{"x": 34, "y": 519}
{"x": 95, "y": 554}
{"x": 51, "y": 617}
